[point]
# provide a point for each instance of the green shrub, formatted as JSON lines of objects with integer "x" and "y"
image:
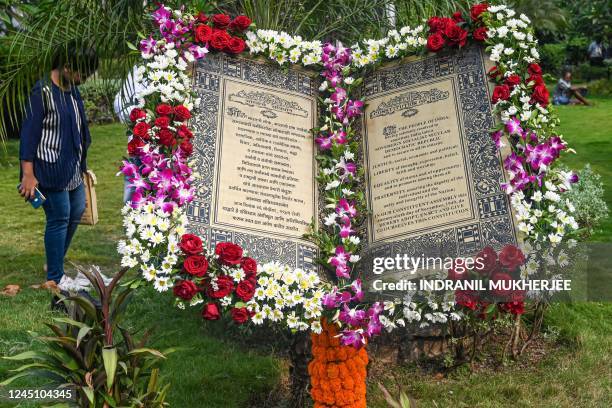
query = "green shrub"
{"x": 94, "y": 355}
{"x": 98, "y": 96}
{"x": 552, "y": 58}
{"x": 586, "y": 72}
{"x": 576, "y": 50}
{"x": 601, "y": 87}
{"x": 587, "y": 197}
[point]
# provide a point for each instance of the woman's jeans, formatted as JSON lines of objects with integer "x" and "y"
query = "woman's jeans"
{"x": 63, "y": 210}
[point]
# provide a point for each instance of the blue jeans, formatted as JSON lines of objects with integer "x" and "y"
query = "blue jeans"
{"x": 63, "y": 210}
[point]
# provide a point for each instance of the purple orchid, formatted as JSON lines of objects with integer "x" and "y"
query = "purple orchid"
{"x": 147, "y": 46}
{"x": 324, "y": 142}
{"x": 353, "y": 338}
{"x": 354, "y": 108}
{"x": 353, "y": 317}
{"x": 339, "y": 260}
{"x": 357, "y": 290}
{"x": 513, "y": 127}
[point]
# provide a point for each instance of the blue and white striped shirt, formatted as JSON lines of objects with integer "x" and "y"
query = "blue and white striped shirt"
{"x": 55, "y": 136}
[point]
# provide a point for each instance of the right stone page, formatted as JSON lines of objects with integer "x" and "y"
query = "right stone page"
{"x": 433, "y": 172}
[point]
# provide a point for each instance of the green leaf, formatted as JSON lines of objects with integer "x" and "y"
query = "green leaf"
{"x": 89, "y": 392}
{"x": 69, "y": 321}
{"x": 86, "y": 305}
{"x": 82, "y": 333}
{"x": 109, "y": 356}
{"x": 131, "y": 46}
{"x": 147, "y": 350}
{"x": 13, "y": 378}
{"x": 26, "y": 355}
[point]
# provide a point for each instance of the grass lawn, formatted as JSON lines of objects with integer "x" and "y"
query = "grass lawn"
{"x": 214, "y": 370}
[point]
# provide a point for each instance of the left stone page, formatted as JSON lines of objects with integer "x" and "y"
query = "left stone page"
{"x": 254, "y": 158}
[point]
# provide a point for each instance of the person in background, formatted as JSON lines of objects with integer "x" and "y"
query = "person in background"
{"x": 53, "y": 151}
{"x": 124, "y": 102}
{"x": 564, "y": 91}
{"x": 596, "y": 53}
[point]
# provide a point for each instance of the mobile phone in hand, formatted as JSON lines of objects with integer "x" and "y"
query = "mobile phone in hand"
{"x": 38, "y": 198}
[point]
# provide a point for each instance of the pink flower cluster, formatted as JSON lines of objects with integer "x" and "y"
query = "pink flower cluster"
{"x": 162, "y": 180}
{"x": 532, "y": 159}
{"x": 177, "y": 31}
{"x": 360, "y": 325}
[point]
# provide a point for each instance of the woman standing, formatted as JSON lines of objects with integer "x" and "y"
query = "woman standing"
{"x": 53, "y": 150}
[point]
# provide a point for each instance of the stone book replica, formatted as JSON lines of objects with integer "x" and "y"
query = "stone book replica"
{"x": 432, "y": 171}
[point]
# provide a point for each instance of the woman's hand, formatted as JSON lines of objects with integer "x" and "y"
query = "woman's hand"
{"x": 28, "y": 181}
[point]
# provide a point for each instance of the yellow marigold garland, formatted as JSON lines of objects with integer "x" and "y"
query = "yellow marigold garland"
{"x": 337, "y": 372}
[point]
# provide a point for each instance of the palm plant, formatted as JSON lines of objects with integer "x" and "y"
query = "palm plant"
{"x": 27, "y": 51}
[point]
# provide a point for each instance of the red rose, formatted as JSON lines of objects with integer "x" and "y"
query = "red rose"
{"x": 187, "y": 147}
{"x": 236, "y": 45}
{"x": 477, "y": 10}
{"x": 536, "y": 79}
{"x": 191, "y": 244}
{"x": 453, "y": 274}
{"x": 501, "y": 93}
{"x": 219, "y": 39}
{"x": 511, "y": 257}
{"x": 229, "y": 253}
{"x": 240, "y": 315}
{"x": 185, "y": 289}
{"x": 136, "y": 114}
{"x": 249, "y": 266}
{"x": 163, "y": 109}
{"x": 202, "y": 18}
{"x": 245, "y": 290}
{"x": 162, "y": 122}
{"x": 516, "y": 307}
{"x": 457, "y": 17}
{"x": 494, "y": 73}
{"x": 221, "y": 20}
{"x": 203, "y": 33}
{"x": 211, "y": 311}
{"x": 501, "y": 277}
{"x": 437, "y": 24}
{"x": 455, "y": 35}
{"x": 183, "y": 132}
{"x": 166, "y": 138}
{"x": 224, "y": 285}
{"x": 240, "y": 23}
{"x": 486, "y": 261}
{"x": 540, "y": 95}
{"x": 181, "y": 113}
{"x": 480, "y": 34}
{"x": 534, "y": 69}
{"x": 466, "y": 299}
{"x": 513, "y": 80}
{"x": 435, "y": 42}
{"x": 196, "y": 265}
{"x": 141, "y": 130}
{"x": 134, "y": 145}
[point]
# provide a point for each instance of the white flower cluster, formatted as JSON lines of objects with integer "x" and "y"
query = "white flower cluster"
{"x": 532, "y": 116}
{"x": 514, "y": 37}
{"x": 290, "y": 296}
{"x": 546, "y": 217}
{"x": 165, "y": 72}
{"x": 433, "y": 309}
{"x": 152, "y": 238}
{"x": 282, "y": 47}
{"x": 396, "y": 44}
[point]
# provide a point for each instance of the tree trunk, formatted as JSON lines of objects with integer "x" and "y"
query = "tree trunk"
{"x": 299, "y": 356}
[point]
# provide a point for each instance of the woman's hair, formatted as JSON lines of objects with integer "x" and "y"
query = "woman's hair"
{"x": 76, "y": 57}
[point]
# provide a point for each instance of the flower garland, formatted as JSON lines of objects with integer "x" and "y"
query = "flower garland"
{"x": 157, "y": 169}
{"x": 337, "y": 372}
{"x": 162, "y": 178}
